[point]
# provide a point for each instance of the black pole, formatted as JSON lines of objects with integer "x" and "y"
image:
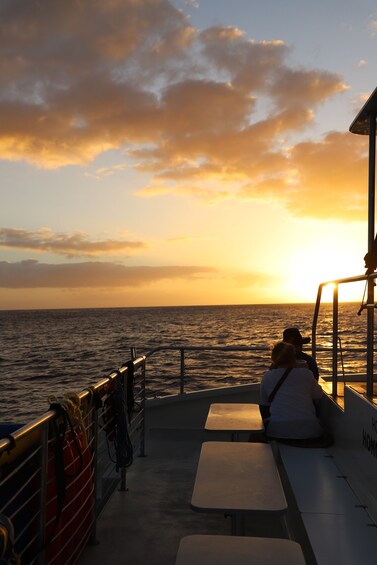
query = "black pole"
{"x": 371, "y": 235}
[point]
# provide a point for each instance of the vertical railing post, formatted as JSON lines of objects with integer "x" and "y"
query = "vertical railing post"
{"x": 43, "y": 491}
{"x": 123, "y": 471}
{"x": 370, "y": 337}
{"x": 335, "y": 342}
{"x": 142, "y": 395}
{"x": 315, "y": 322}
{"x": 182, "y": 374}
{"x": 371, "y": 236}
{"x": 123, "y": 479}
{"x": 94, "y": 427}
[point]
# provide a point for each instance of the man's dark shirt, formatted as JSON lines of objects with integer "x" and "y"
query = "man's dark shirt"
{"x": 310, "y": 361}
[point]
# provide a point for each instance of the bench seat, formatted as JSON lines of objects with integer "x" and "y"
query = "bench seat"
{"x": 339, "y": 528}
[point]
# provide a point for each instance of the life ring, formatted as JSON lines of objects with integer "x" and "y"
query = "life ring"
{"x": 69, "y": 505}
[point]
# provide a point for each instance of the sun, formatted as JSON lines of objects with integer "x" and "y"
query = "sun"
{"x": 314, "y": 265}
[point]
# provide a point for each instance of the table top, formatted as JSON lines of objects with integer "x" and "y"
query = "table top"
{"x": 237, "y": 477}
{"x": 225, "y": 550}
{"x": 234, "y": 417}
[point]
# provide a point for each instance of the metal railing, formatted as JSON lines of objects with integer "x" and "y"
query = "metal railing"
{"x": 370, "y": 306}
{"x": 184, "y": 349}
{"x": 55, "y": 479}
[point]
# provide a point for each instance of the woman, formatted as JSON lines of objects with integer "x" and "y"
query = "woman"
{"x": 289, "y": 411}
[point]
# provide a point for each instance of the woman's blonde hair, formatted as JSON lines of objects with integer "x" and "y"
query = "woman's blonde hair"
{"x": 283, "y": 354}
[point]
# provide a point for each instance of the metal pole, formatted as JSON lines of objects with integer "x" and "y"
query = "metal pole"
{"x": 94, "y": 432}
{"x": 182, "y": 377}
{"x": 335, "y": 342}
{"x": 123, "y": 472}
{"x": 142, "y": 438}
{"x": 315, "y": 322}
{"x": 371, "y": 235}
{"x": 43, "y": 490}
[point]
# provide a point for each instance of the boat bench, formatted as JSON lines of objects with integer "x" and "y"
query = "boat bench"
{"x": 240, "y": 479}
{"x": 338, "y": 526}
{"x": 234, "y": 418}
{"x": 239, "y": 550}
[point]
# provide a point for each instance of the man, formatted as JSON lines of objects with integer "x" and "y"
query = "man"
{"x": 293, "y": 336}
{"x": 371, "y": 259}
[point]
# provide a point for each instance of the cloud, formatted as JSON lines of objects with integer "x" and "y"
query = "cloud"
{"x": 372, "y": 25}
{"x": 32, "y": 274}
{"x": 327, "y": 179}
{"x": 104, "y": 172}
{"x": 187, "y": 106}
{"x": 76, "y": 245}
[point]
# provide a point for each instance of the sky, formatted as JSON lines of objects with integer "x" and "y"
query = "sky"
{"x": 157, "y": 153}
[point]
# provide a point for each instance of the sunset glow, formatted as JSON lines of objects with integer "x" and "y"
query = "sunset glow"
{"x": 177, "y": 152}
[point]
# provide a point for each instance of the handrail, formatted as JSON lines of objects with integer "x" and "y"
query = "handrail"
{"x": 28, "y": 498}
{"x": 51, "y": 414}
{"x": 141, "y": 360}
{"x": 183, "y": 348}
{"x": 370, "y": 306}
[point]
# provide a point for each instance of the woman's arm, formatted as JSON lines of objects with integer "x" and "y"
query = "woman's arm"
{"x": 317, "y": 391}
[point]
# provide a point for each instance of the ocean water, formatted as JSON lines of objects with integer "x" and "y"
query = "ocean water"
{"x": 46, "y": 352}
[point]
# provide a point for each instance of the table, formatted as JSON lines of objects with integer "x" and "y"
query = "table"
{"x": 234, "y": 418}
{"x": 238, "y": 478}
{"x": 230, "y": 550}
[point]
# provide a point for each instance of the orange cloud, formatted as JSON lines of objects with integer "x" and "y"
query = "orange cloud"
{"x": 326, "y": 179}
{"x": 332, "y": 177}
{"x": 76, "y": 245}
{"x": 188, "y": 107}
{"x": 32, "y": 274}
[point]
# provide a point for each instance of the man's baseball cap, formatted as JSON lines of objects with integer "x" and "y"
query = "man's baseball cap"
{"x": 293, "y": 334}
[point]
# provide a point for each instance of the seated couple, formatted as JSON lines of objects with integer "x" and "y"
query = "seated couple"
{"x": 287, "y": 401}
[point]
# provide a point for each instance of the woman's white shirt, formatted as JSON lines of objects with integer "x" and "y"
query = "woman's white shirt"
{"x": 292, "y": 410}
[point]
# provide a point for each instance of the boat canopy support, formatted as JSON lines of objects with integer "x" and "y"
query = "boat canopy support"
{"x": 365, "y": 124}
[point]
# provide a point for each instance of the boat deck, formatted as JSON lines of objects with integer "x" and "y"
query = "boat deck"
{"x": 145, "y": 524}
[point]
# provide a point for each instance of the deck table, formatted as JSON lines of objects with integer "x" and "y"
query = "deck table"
{"x": 238, "y": 478}
{"x": 230, "y": 550}
{"x": 234, "y": 418}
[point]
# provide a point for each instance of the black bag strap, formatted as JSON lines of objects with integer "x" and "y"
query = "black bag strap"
{"x": 279, "y": 383}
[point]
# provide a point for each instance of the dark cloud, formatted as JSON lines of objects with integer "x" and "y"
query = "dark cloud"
{"x": 76, "y": 245}
{"x": 32, "y": 274}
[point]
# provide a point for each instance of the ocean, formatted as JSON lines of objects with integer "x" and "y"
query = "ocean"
{"x": 46, "y": 352}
